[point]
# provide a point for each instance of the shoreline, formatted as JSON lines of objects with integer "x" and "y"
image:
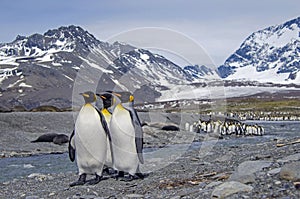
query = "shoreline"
{"x": 201, "y": 171}
{"x": 189, "y": 175}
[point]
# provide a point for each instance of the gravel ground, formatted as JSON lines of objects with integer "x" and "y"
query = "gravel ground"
{"x": 217, "y": 170}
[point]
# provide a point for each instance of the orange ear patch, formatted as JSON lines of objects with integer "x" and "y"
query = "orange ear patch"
{"x": 131, "y": 98}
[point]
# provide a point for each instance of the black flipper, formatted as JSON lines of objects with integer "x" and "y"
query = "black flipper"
{"x": 105, "y": 127}
{"x": 104, "y": 123}
{"x": 71, "y": 148}
{"x": 138, "y": 133}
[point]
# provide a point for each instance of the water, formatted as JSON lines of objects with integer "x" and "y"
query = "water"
{"x": 11, "y": 168}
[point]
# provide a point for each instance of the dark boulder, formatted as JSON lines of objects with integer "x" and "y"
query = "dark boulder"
{"x": 170, "y": 128}
{"x": 52, "y": 137}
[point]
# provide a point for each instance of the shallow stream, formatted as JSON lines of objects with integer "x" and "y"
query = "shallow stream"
{"x": 17, "y": 167}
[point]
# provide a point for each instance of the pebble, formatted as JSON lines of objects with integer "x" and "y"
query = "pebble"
{"x": 32, "y": 197}
{"x": 243, "y": 178}
{"x": 52, "y": 194}
{"x": 213, "y": 184}
{"x": 134, "y": 196}
{"x": 88, "y": 196}
{"x": 245, "y": 171}
{"x": 6, "y": 183}
{"x": 40, "y": 177}
{"x": 289, "y": 158}
{"x": 250, "y": 167}
{"x": 290, "y": 171}
{"x": 229, "y": 188}
{"x": 224, "y": 158}
{"x": 277, "y": 182}
{"x": 274, "y": 171}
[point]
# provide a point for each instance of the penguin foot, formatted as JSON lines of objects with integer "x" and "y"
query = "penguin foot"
{"x": 140, "y": 176}
{"x": 80, "y": 181}
{"x": 130, "y": 177}
{"x": 127, "y": 178}
{"x": 120, "y": 174}
{"x": 109, "y": 171}
{"x": 106, "y": 170}
{"x": 94, "y": 181}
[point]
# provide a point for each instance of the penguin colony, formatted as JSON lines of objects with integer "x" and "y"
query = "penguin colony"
{"x": 228, "y": 127}
{"x": 106, "y": 136}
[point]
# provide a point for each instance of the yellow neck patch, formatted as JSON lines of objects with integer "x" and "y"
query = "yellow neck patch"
{"x": 119, "y": 106}
{"x": 88, "y": 104}
{"x": 105, "y": 112}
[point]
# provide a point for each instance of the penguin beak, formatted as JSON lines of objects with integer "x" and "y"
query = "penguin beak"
{"x": 100, "y": 95}
{"x": 84, "y": 94}
{"x": 117, "y": 94}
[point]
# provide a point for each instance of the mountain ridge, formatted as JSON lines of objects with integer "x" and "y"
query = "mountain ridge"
{"x": 271, "y": 54}
{"x": 45, "y": 69}
{"x": 42, "y": 69}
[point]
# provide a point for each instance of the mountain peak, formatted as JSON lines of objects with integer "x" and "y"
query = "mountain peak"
{"x": 293, "y": 21}
{"x": 271, "y": 54}
{"x": 20, "y": 37}
{"x": 46, "y": 66}
{"x": 71, "y": 32}
{"x": 65, "y": 38}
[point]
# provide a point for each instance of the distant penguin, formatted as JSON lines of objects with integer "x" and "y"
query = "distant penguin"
{"x": 88, "y": 142}
{"x": 127, "y": 135}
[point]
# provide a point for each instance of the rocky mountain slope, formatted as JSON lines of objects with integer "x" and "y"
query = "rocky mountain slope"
{"x": 46, "y": 69}
{"x": 268, "y": 55}
{"x": 50, "y": 69}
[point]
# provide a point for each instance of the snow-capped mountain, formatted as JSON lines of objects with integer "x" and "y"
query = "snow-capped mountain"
{"x": 42, "y": 69}
{"x": 268, "y": 55}
{"x": 202, "y": 71}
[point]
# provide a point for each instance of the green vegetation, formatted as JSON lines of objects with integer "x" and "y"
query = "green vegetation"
{"x": 263, "y": 105}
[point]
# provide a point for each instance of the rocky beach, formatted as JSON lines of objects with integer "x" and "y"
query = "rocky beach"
{"x": 179, "y": 164}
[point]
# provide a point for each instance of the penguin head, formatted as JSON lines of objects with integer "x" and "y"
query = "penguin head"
{"x": 125, "y": 97}
{"x": 107, "y": 99}
{"x": 89, "y": 97}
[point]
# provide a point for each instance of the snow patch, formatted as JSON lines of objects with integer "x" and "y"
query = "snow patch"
{"x": 249, "y": 73}
{"x": 144, "y": 57}
{"x": 68, "y": 78}
{"x": 15, "y": 83}
{"x": 97, "y": 66}
{"x": 56, "y": 64}
{"x": 76, "y": 67}
{"x": 191, "y": 92}
{"x": 25, "y": 85}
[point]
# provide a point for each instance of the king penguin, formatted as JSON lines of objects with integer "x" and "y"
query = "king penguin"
{"x": 126, "y": 135}
{"x": 88, "y": 142}
{"x": 106, "y": 98}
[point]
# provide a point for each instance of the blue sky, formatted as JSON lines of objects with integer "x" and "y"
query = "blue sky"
{"x": 219, "y": 26}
